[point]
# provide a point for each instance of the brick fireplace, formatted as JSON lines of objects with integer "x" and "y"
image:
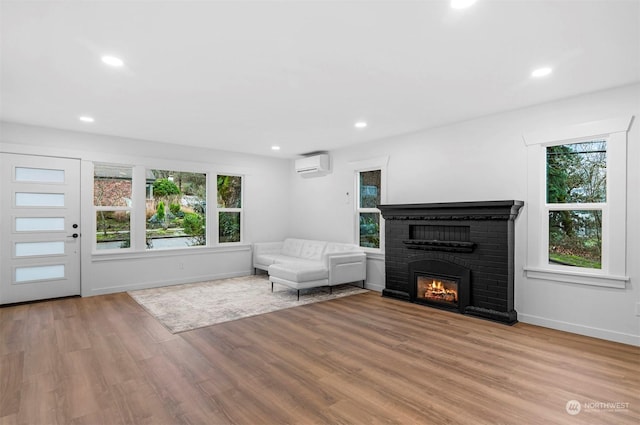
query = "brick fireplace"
{"x": 454, "y": 256}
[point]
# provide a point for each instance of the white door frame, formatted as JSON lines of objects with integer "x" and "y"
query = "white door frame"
{"x": 40, "y": 227}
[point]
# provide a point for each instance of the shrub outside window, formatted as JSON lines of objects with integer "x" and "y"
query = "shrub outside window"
{"x": 229, "y": 206}
{"x": 175, "y": 209}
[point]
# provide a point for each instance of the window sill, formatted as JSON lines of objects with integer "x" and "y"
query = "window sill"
{"x": 580, "y": 278}
{"x": 134, "y": 255}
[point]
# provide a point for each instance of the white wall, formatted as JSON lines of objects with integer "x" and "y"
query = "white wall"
{"x": 266, "y": 202}
{"x": 486, "y": 159}
{"x": 481, "y": 159}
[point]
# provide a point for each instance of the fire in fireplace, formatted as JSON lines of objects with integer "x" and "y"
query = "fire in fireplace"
{"x": 431, "y": 289}
{"x": 440, "y": 284}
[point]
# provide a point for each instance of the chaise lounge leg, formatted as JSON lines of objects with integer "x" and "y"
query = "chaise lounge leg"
{"x": 298, "y": 295}
{"x": 271, "y": 286}
{"x": 363, "y": 284}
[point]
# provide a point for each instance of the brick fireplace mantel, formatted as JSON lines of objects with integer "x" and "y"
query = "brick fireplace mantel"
{"x": 484, "y": 210}
{"x": 478, "y": 236}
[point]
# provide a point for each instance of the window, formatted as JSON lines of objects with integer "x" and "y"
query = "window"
{"x": 229, "y": 189}
{"x": 112, "y": 190}
{"x": 576, "y": 201}
{"x": 368, "y": 214}
{"x": 175, "y": 209}
{"x": 577, "y": 204}
{"x": 145, "y": 209}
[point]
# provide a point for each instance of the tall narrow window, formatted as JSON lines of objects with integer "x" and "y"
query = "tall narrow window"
{"x": 577, "y": 208}
{"x": 176, "y": 209}
{"x": 368, "y": 214}
{"x": 112, "y": 204}
{"x": 229, "y": 205}
{"x": 576, "y": 203}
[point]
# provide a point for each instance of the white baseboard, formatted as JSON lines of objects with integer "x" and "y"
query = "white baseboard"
{"x": 374, "y": 286}
{"x": 609, "y": 335}
{"x": 157, "y": 284}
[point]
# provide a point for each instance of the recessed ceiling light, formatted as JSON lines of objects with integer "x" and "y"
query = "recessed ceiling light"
{"x": 462, "y": 4}
{"x": 86, "y": 118}
{"x": 275, "y": 148}
{"x": 541, "y": 72}
{"x": 113, "y": 61}
{"x": 360, "y": 124}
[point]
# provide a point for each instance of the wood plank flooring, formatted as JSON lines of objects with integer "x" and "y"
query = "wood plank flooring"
{"x": 362, "y": 359}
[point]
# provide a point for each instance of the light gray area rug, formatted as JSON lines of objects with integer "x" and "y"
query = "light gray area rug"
{"x": 194, "y": 305}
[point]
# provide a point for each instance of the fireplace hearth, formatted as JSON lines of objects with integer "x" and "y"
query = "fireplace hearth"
{"x": 453, "y": 256}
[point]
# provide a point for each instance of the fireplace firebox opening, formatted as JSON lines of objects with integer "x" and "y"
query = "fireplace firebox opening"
{"x": 432, "y": 289}
{"x": 440, "y": 284}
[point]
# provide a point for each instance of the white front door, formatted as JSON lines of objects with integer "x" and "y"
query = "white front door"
{"x": 40, "y": 227}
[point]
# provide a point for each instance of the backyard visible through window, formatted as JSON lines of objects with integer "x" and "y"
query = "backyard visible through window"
{"x": 113, "y": 229}
{"x": 370, "y": 230}
{"x": 229, "y": 206}
{"x": 576, "y": 198}
{"x": 175, "y": 209}
{"x": 368, "y": 213}
{"x": 112, "y": 202}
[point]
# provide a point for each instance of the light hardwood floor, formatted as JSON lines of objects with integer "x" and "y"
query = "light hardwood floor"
{"x": 355, "y": 360}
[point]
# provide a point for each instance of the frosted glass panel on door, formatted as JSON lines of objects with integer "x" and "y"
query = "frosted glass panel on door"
{"x": 36, "y": 224}
{"x": 28, "y": 249}
{"x": 28, "y": 274}
{"x": 42, "y": 175}
{"x": 25, "y": 199}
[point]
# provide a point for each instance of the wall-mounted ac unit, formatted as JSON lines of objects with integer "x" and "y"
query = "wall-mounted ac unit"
{"x": 314, "y": 165}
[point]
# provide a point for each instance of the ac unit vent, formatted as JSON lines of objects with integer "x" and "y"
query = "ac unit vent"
{"x": 311, "y": 166}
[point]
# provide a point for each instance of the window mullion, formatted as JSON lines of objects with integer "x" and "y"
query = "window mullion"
{"x": 574, "y": 206}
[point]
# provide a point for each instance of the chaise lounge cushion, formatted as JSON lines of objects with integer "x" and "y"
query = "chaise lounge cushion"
{"x": 301, "y": 275}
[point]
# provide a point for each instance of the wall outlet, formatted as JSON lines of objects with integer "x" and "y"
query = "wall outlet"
{"x": 181, "y": 266}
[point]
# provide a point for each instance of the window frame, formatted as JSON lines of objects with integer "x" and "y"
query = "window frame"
{"x": 362, "y": 167}
{"x": 137, "y": 248}
{"x": 613, "y": 261}
{"x": 110, "y": 208}
{"x": 176, "y": 169}
{"x": 219, "y": 210}
{"x": 576, "y": 206}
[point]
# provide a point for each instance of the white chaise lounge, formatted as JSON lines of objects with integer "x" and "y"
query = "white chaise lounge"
{"x": 302, "y": 263}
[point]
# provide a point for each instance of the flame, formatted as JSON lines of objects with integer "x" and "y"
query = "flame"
{"x": 440, "y": 292}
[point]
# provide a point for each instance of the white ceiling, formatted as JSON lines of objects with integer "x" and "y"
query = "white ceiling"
{"x": 245, "y": 75}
